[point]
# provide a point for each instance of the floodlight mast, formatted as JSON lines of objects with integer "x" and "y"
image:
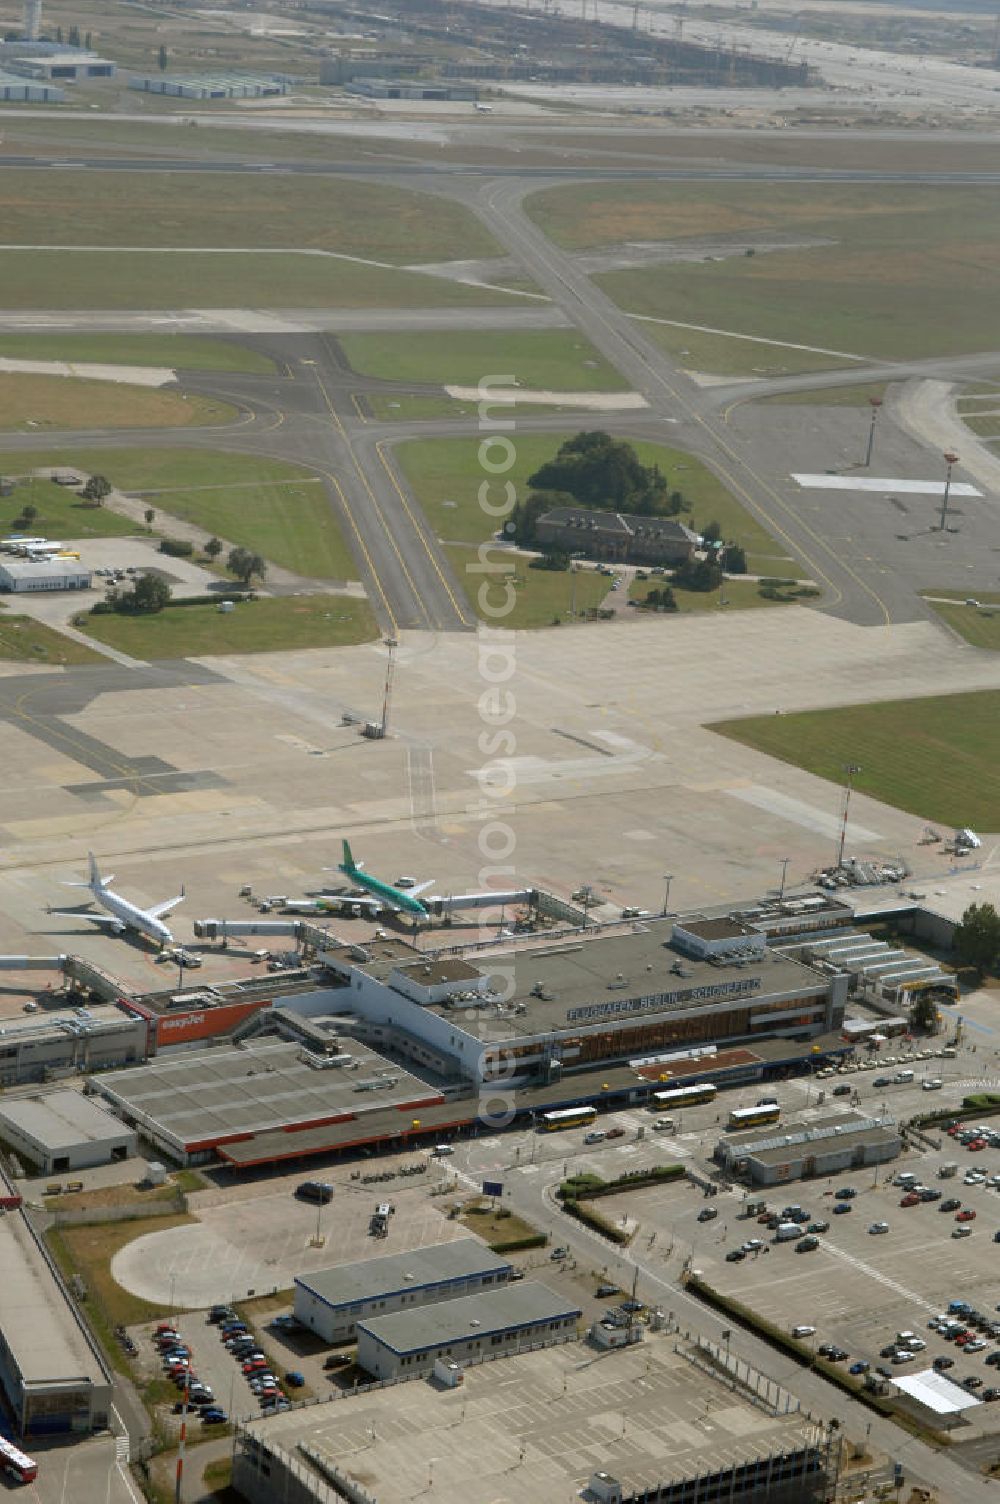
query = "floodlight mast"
{"x": 851, "y": 769}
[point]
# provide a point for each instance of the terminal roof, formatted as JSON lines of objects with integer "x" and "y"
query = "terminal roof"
{"x": 500, "y": 1310}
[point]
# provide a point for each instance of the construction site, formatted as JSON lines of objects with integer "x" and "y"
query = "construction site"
{"x": 464, "y": 41}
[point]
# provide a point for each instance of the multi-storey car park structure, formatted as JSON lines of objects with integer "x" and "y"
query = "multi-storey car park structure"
{"x": 652, "y": 1423}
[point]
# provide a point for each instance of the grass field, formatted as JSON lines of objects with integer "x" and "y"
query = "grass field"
{"x": 137, "y": 279}
{"x": 61, "y": 513}
{"x": 272, "y": 625}
{"x": 371, "y": 220}
{"x": 721, "y": 354}
{"x": 29, "y": 403}
{"x": 189, "y": 352}
{"x": 912, "y": 271}
{"x": 540, "y": 595}
{"x": 831, "y": 396}
{"x": 290, "y": 523}
{"x": 406, "y": 408}
{"x": 28, "y": 641}
{"x": 445, "y": 476}
{"x": 88, "y": 1251}
{"x": 986, "y": 428}
{"x": 547, "y": 359}
{"x": 157, "y": 469}
{"x": 981, "y": 627}
{"x": 739, "y": 595}
{"x": 934, "y": 758}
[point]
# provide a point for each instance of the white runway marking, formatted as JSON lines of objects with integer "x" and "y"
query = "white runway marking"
{"x": 787, "y": 808}
{"x": 892, "y": 483}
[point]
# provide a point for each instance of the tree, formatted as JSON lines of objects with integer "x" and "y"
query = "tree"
{"x": 244, "y": 565}
{"x": 59, "y": 35}
{"x": 698, "y": 574}
{"x": 213, "y": 548}
{"x": 29, "y": 512}
{"x": 976, "y": 940}
{"x": 923, "y": 1013}
{"x": 736, "y": 559}
{"x": 150, "y": 516}
{"x": 660, "y": 598}
{"x": 162, "y": 58}
{"x": 97, "y": 487}
{"x": 712, "y": 532}
{"x": 74, "y": 36}
{"x": 87, "y": 41}
{"x": 149, "y": 594}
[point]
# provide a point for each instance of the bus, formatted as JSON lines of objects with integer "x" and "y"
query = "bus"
{"x": 568, "y": 1117}
{"x": 754, "y": 1117}
{"x": 15, "y": 1463}
{"x": 683, "y": 1096}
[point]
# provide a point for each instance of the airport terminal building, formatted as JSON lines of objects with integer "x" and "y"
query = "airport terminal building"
{"x": 384, "y": 1044}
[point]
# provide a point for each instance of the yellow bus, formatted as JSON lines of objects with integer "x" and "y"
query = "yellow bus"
{"x": 568, "y": 1117}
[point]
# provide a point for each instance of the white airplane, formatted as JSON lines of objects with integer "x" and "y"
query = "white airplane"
{"x": 121, "y": 915}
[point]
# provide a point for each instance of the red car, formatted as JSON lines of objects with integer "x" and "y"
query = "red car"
{"x": 955, "y": 1129}
{"x": 976, "y": 1145}
{"x": 963, "y": 1338}
{"x": 255, "y": 1365}
{"x": 967, "y": 1216}
{"x": 910, "y": 1199}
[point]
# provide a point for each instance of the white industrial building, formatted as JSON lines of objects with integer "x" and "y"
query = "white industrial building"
{"x": 62, "y": 1130}
{"x": 478, "y": 1328}
{"x": 22, "y": 575}
{"x": 331, "y": 1302}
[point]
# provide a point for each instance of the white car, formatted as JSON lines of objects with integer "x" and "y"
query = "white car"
{"x": 803, "y": 1331}
{"x": 903, "y": 1356}
{"x": 877, "y": 1227}
{"x": 917, "y": 1344}
{"x": 934, "y": 1085}
{"x": 975, "y": 1346}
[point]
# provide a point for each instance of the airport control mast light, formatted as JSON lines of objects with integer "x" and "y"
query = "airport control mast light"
{"x": 851, "y": 769}
{"x": 950, "y": 459}
{"x": 876, "y": 403}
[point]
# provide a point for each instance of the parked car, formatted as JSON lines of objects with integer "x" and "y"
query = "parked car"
{"x": 315, "y": 1190}
{"x": 803, "y": 1331}
{"x": 212, "y": 1416}
{"x": 845, "y": 1193}
{"x": 952, "y": 1205}
{"x": 962, "y": 1232}
{"x": 707, "y": 1213}
{"x": 735, "y": 1256}
{"x": 841, "y": 1208}
{"x": 841, "y": 1091}
{"x": 806, "y": 1245}
{"x": 943, "y": 1363}
{"x": 221, "y": 1313}
{"x": 968, "y": 1215}
{"x": 603, "y": 1291}
{"x": 296, "y": 1379}
{"x": 877, "y": 1227}
{"x": 862, "y": 1366}
{"x": 818, "y": 1227}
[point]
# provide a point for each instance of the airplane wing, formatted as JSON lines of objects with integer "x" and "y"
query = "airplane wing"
{"x": 107, "y": 919}
{"x": 421, "y": 887}
{"x": 159, "y": 909}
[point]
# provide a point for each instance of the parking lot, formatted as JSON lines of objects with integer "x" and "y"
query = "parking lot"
{"x": 859, "y": 1288}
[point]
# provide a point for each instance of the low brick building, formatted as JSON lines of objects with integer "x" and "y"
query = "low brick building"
{"x": 617, "y": 536}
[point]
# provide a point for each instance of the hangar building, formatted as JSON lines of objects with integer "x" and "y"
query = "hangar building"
{"x": 24, "y": 575}
{"x": 803, "y": 1151}
{"x": 64, "y": 1130}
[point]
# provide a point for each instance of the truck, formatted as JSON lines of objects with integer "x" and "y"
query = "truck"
{"x": 785, "y": 1231}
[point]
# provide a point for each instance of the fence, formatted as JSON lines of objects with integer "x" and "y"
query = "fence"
{"x": 86, "y": 1215}
{"x": 737, "y": 1373}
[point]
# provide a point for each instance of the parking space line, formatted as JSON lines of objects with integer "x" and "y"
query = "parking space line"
{"x": 876, "y": 1274}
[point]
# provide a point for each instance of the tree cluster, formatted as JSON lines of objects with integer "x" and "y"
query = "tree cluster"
{"x": 596, "y": 470}
{"x": 96, "y": 489}
{"x": 660, "y": 598}
{"x": 976, "y": 940}
{"x": 148, "y": 595}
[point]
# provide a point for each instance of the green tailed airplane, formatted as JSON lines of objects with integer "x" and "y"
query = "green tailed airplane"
{"x": 393, "y": 898}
